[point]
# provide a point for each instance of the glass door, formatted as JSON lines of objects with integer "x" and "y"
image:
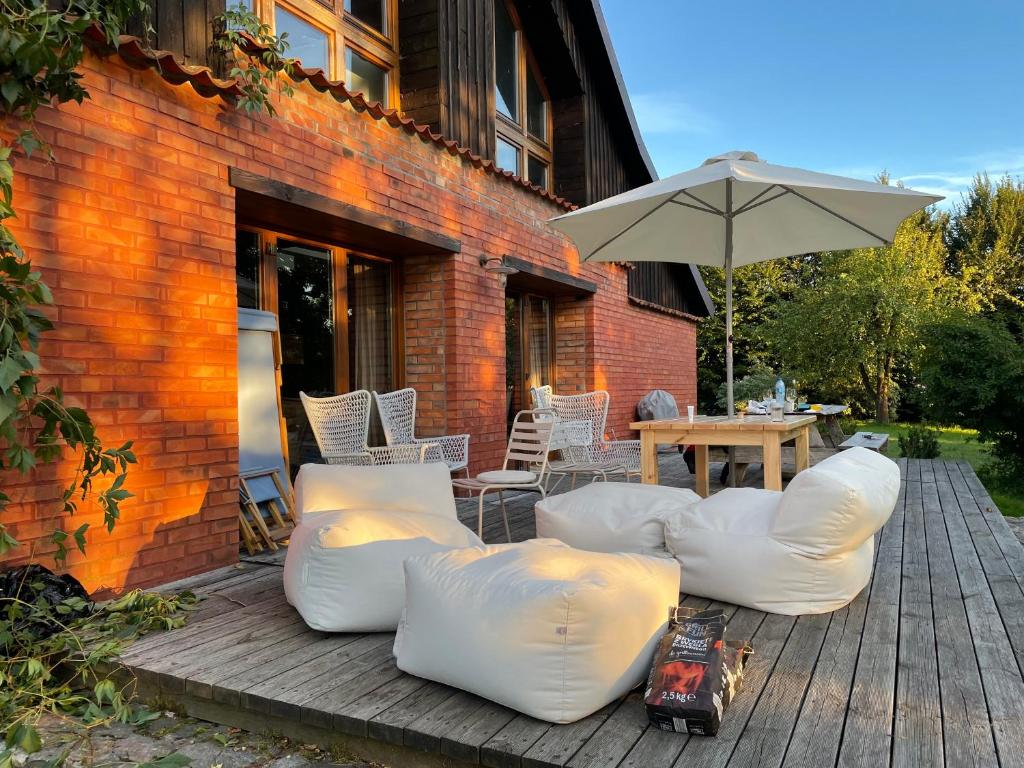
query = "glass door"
{"x": 305, "y": 312}
{"x": 336, "y": 311}
{"x": 529, "y": 348}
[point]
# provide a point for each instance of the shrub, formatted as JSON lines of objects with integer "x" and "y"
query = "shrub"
{"x": 920, "y": 443}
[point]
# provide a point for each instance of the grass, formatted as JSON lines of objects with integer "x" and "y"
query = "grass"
{"x": 955, "y": 443}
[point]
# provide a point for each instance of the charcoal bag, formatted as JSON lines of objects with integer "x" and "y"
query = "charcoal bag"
{"x": 695, "y": 674}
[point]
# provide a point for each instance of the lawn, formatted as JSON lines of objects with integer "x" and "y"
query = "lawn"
{"x": 956, "y": 443}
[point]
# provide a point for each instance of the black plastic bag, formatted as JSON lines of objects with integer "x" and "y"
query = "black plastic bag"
{"x": 33, "y": 583}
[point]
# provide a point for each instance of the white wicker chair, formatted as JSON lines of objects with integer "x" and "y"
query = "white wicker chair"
{"x": 594, "y": 457}
{"x": 341, "y": 424}
{"x": 529, "y": 443}
{"x": 398, "y": 417}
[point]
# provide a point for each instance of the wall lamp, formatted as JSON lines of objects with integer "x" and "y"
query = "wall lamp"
{"x": 496, "y": 265}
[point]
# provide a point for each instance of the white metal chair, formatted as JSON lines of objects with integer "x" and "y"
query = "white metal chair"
{"x": 593, "y": 456}
{"x": 398, "y": 417}
{"x": 341, "y": 424}
{"x": 529, "y": 443}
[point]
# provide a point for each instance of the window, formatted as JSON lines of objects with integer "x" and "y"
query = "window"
{"x": 364, "y": 76}
{"x": 351, "y": 40}
{"x": 306, "y": 42}
{"x": 523, "y": 119}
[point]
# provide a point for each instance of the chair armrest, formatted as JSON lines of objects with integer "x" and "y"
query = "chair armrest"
{"x": 412, "y": 453}
{"x": 453, "y": 450}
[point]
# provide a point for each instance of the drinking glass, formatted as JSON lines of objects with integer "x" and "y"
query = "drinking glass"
{"x": 778, "y": 411}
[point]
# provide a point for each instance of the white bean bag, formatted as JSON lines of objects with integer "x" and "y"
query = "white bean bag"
{"x": 343, "y": 569}
{"x": 400, "y": 487}
{"x": 553, "y": 632}
{"x": 808, "y": 549}
{"x": 613, "y": 517}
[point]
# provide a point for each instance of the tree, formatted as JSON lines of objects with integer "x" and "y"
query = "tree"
{"x": 985, "y": 239}
{"x": 973, "y": 372}
{"x": 757, "y": 288}
{"x": 847, "y": 331}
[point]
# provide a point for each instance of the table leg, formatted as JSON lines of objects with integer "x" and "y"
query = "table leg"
{"x": 648, "y": 457}
{"x": 835, "y": 430}
{"x": 772, "y": 462}
{"x": 701, "y": 465}
{"x": 803, "y": 449}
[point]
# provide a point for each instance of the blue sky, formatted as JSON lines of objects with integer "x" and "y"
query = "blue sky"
{"x": 931, "y": 91}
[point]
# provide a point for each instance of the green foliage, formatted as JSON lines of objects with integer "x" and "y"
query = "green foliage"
{"x": 973, "y": 374}
{"x": 920, "y": 443}
{"x": 759, "y": 380}
{"x": 41, "y": 47}
{"x": 71, "y": 674}
{"x": 848, "y": 331}
{"x": 985, "y": 239}
{"x": 757, "y": 289}
{"x": 255, "y": 72}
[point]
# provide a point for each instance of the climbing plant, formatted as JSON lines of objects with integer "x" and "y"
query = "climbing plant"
{"x": 41, "y": 48}
{"x": 255, "y": 57}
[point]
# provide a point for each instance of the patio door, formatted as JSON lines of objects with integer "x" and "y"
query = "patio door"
{"x": 336, "y": 310}
{"x": 529, "y": 348}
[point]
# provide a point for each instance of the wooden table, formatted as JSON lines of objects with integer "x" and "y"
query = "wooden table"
{"x": 706, "y": 431}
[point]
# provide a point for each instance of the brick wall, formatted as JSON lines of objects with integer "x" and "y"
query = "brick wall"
{"x": 134, "y": 227}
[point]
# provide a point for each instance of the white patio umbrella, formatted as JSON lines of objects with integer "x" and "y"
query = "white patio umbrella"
{"x": 736, "y": 209}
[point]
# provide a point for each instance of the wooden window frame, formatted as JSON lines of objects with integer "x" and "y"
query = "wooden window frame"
{"x": 523, "y": 299}
{"x": 517, "y": 133}
{"x": 345, "y": 31}
{"x": 268, "y": 297}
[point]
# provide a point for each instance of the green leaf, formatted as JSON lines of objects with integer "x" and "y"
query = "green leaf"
{"x": 25, "y": 737}
{"x": 173, "y": 760}
{"x": 10, "y": 371}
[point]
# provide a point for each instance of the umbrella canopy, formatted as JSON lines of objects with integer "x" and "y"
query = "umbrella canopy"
{"x": 736, "y": 209}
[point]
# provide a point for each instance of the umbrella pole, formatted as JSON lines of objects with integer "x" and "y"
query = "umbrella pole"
{"x": 730, "y": 402}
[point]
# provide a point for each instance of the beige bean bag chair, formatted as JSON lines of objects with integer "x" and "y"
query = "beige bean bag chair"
{"x": 808, "y": 549}
{"x": 613, "y": 517}
{"x": 553, "y": 632}
{"x": 343, "y": 570}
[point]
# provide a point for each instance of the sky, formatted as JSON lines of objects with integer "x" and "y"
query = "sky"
{"x": 932, "y": 92}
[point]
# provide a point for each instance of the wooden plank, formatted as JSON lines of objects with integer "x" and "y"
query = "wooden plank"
{"x": 319, "y": 701}
{"x": 561, "y": 742}
{"x": 616, "y": 736}
{"x": 354, "y": 717}
{"x": 281, "y": 693}
{"x": 390, "y": 724}
{"x": 1009, "y": 544}
{"x": 506, "y": 747}
{"x": 229, "y": 689}
{"x": 464, "y": 740}
{"x": 1004, "y": 688}
{"x": 816, "y": 735}
{"x": 967, "y": 735}
{"x": 768, "y": 642}
{"x": 1003, "y": 584}
{"x": 766, "y": 736}
{"x": 157, "y": 644}
{"x": 917, "y": 736}
{"x": 867, "y": 734}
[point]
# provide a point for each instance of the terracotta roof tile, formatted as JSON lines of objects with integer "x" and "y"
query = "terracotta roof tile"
{"x": 134, "y": 53}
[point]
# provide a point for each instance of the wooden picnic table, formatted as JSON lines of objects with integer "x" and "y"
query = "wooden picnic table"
{"x": 829, "y": 414}
{"x": 705, "y": 431}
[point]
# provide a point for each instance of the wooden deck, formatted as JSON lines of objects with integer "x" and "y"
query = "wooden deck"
{"x": 922, "y": 669}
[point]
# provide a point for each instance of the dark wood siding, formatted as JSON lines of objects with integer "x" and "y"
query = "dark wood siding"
{"x": 183, "y": 26}
{"x": 665, "y": 286}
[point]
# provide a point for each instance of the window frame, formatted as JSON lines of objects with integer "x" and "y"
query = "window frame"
{"x": 346, "y": 31}
{"x": 517, "y": 133}
{"x": 267, "y": 297}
